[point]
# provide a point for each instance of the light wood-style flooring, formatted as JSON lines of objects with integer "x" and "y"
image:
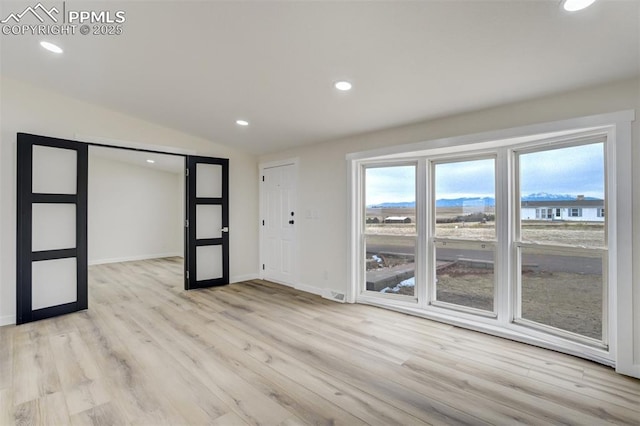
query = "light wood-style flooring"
{"x": 147, "y": 352}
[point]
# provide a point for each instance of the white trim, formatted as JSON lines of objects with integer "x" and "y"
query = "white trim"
{"x": 617, "y": 129}
{"x": 240, "y": 278}
{"x": 272, "y": 280}
{"x": 297, "y": 286}
{"x": 621, "y": 242}
{"x": 7, "y": 320}
{"x": 309, "y": 289}
{"x": 261, "y": 255}
{"x": 133, "y": 258}
{"x": 116, "y": 143}
{"x": 354, "y": 211}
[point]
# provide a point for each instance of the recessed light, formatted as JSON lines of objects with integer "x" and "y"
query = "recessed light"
{"x": 51, "y": 47}
{"x": 575, "y": 5}
{"x": 242, "y": 122}
{"x": 342, "y": 85}
{"x": 151, "y": 161}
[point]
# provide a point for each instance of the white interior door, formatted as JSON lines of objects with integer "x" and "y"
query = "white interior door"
{"x": 279, "y": 224}
{"x": 51, "y": 270}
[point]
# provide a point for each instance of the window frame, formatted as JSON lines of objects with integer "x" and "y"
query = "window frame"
{"x": 575, "y": 212}
{"x": 433, "y": 239}
{"x": 560, "y": 249}
{"x": 398, "y": 298}
{"x": 616, "y": 127}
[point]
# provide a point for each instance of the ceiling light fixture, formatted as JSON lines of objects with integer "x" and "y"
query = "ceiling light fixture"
{"x": 342, "y": 85}
{"x": 575, "y": 5}
{"x": 151, "y": 161}
{"x": 51, "y": 47}
{"x": 242, "y": 122}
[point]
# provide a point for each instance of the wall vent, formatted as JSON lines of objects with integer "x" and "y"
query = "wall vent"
{"x": 334, "y": 295}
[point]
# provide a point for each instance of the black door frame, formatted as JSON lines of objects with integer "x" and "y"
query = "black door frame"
{"x": 25, "y": 200}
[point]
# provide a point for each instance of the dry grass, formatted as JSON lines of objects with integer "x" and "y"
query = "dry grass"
{"x": 566, "y": 233}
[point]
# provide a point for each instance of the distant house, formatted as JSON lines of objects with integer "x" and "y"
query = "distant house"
{"x": 567, "y": 210}
{"x": 397, "y": 219}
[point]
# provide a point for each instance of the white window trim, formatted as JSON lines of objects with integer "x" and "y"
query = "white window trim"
{"x": 617, "y": 128}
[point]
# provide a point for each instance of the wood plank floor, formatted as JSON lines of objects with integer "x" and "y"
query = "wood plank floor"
{"x": 147, "y": 352}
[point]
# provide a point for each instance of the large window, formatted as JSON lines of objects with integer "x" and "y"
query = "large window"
{"x": 504, "y": 237}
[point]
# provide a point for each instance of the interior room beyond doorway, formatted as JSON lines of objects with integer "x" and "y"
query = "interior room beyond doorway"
{"x": 136, "y": 208}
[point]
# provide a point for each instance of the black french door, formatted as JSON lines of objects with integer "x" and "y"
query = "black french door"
{"x": 52, "y": 191}
{"x": 207, "y": 235}
{"x": 51, "y": 227}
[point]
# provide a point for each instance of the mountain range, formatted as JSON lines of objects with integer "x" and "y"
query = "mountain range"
{"x": 478, "y": 201}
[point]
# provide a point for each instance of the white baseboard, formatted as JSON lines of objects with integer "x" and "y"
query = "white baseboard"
{"x": 302, "y": 287}
{"x": 273, "y": 280}
{"x": 245, "y": 277}
{"x": 133, "y": 258}
{"x": 633, "y": 371}
{"x": 309, "y": 289}
{"x": 7, "y": 320}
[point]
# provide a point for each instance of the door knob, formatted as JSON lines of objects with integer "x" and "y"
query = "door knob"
{"x": 291, "y": 222}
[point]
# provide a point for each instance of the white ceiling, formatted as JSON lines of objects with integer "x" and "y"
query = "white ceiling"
{"x": 198, "y": 66}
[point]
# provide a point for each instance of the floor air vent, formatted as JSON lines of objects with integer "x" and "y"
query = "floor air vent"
{"x": 334, "y": 295}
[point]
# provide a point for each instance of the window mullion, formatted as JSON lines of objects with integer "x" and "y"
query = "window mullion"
{"x": 504, "y": 292}
{"x": 423, "y": 265}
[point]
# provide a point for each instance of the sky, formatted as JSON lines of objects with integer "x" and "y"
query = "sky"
{"x": 465, "y": 179}
{"x": 390, "y": 184}
{"x": 575, "y": 171}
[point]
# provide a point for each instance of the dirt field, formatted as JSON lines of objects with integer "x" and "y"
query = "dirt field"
{"x": 569, "y": 301}
{"x": 471, "y": 287}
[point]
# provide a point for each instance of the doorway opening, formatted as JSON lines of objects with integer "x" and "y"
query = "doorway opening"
{"x": 52, "y": 220}
{"x": 136, "y": 219}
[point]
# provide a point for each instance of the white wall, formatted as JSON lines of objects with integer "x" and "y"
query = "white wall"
{"x": 135, "y": 212}
{"x": 26, "y": 108}
{"x": 322, "y": 180}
